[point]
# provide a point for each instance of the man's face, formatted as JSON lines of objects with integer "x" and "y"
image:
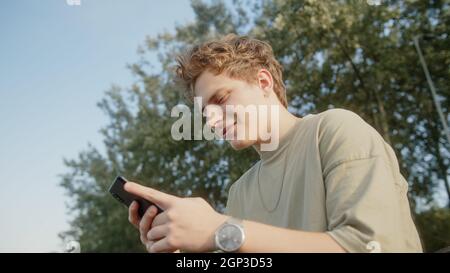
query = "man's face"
{"x": 219, "y": 92}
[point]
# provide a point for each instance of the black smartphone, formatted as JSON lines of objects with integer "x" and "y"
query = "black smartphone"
{"x": 118, "y": 192}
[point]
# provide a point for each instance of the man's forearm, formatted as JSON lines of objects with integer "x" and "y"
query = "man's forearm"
{"x": 265, "y": 238}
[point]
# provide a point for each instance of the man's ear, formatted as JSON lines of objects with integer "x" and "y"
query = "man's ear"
{"x": 265, "y": 81}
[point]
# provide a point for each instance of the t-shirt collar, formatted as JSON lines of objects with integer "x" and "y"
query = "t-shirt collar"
{"x": 282, "y": 145}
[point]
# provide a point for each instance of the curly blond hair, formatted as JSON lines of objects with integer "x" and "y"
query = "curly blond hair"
{"x": 240, "y": 57}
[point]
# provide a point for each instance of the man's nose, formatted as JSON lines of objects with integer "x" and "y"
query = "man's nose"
{"x": 213, "y": 123}
{"x": 213, "y": 115}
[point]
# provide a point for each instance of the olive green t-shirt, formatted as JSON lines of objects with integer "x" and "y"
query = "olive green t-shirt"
{"x": 332, "y": 172}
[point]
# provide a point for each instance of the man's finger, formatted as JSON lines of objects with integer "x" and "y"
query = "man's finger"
{"x": 146, "y": 223}
{"x": 148, "y": 245}
{"x": 163, "y": 200}
{"x": 157, "y": 233}
{"x": 133, "y": 215}
{"x": 161, "y": 246}
{"x": 160, "y": 219}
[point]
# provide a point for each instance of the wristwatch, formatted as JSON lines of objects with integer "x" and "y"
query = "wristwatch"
{"x": 230, "y": 236}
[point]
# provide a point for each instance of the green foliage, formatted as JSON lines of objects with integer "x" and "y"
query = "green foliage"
{"x": 335, "y": 53}
{"x": 359, "y": 57}
{"x": 434, "y": 227}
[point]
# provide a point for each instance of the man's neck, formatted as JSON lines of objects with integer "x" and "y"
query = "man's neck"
{"x": 285, "y": 121}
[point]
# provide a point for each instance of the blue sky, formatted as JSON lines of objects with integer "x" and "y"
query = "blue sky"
{"x": 56, "y": 62}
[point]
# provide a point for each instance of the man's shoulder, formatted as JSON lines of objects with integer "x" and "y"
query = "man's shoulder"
{"x": 343, "y": 123}
{"x": 344, "y": 135}
{"x": 331, "y": 120}
{"x": 338, "y": 116}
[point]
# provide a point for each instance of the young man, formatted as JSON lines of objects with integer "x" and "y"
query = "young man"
{"x": 332, "y": 185}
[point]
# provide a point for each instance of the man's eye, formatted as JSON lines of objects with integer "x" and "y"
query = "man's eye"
{"x": 222, "y": 99}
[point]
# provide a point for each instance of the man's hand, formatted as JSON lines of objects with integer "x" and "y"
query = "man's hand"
{"x": 142, "y": 224}
{"x": 186, "y": 223}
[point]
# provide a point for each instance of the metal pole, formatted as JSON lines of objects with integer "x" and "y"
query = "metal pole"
{"x": 432, "y": 89}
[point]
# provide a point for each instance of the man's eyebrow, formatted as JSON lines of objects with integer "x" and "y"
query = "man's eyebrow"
{"x": 213, "y": 96}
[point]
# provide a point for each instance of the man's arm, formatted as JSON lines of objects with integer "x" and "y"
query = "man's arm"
{"x": 189, "y": 224}
{"x": 265, "y": 238}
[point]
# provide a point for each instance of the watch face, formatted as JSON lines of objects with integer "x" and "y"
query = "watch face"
{"x": 230, "y": 237}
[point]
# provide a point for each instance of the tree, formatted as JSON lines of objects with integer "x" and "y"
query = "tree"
{"x": 335, "y": 54}
{"x": 352, "y": 55}
{"x": 139, "y": 145}
{"x": 434, "y": 225}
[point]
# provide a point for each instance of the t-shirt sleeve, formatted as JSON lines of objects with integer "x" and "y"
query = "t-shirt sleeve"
{"x": 363, "y": 187}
